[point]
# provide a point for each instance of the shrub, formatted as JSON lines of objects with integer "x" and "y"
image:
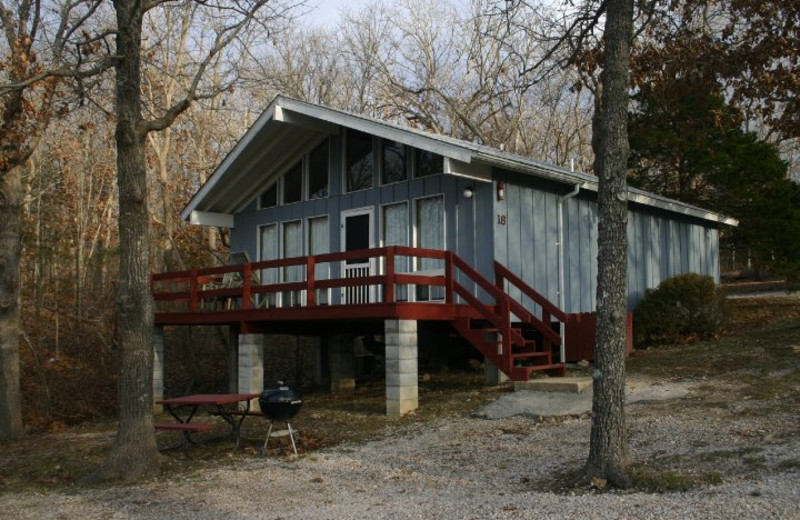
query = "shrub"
{"x": 684, "y": 308}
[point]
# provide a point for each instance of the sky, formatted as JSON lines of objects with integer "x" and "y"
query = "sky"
{"x": 327, "y": 12}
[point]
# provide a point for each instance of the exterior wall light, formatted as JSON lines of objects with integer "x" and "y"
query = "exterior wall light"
{"x": 468, "y": 192}
{"x": 501, "y": 190}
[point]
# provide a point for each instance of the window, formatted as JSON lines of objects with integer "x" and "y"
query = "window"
{"x": 318, "y": 172}
{"x": 359, "y": 160}
{"x": 292, "y": 247}
{"x": 395, "y": 233}
{"x": 293, "y": 184}
{"x": 319, "y": 243}
{"x": 394, "y": 162}
{"x": 269, "y": 198}
{"x": 430, "y": 235}
{"x": 270, "y": 250}
{"x": 428, "y": 163}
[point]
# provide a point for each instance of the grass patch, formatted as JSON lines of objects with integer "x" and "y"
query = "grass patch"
{"x": 670, "y": 481}
{"x": 790, "y": 465}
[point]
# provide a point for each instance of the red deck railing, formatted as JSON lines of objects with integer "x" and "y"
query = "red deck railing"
{"x": 308, "y": 281}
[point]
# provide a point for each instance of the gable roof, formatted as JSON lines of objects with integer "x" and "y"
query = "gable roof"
{"x": 288, "y": 127}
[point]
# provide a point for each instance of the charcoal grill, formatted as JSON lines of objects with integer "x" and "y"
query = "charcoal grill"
{"x": 280, "y": 404}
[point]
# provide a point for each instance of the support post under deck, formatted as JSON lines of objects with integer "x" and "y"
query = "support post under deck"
{"x": 402, "y": 387}
{"x": 493, "y": 376}
{"x": 342, "y": 362}
{"x": 251, "y": 365}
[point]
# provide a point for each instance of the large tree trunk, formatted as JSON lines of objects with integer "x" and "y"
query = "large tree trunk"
{"x": 10, "y": 407}
{"x": 134, "y": 454}
{"x": 608, "y": 442}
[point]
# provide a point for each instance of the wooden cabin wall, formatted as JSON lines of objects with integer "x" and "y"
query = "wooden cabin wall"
{"x": 660, "y": 244}
{"x": 461, "y": 226}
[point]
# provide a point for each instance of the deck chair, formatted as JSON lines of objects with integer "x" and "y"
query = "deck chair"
{"x": 234, "y": 279}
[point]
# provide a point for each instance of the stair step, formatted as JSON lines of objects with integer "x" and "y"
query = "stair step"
{"x": 523, "y": 373}
{"x": 524, "y": 355}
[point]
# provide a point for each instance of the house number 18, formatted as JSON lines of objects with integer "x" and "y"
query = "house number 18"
{"x": 501, "y": 219}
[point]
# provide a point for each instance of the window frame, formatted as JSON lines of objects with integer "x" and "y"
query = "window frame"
{"x": 346, "y": 170}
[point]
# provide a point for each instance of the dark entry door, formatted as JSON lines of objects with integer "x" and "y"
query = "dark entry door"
{"x": 357, "y": 234}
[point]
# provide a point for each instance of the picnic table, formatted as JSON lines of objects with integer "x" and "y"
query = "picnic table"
{"x": 233, "y": 408}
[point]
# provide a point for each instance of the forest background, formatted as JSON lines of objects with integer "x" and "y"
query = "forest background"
{"x": 715, "y": 121}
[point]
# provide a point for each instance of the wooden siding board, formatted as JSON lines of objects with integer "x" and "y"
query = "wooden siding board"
{"x": 586, "y": 223}
{"x": 572, "y": 256}
{"x": 526, "y": 216}
{"x": 715, "y": 254}
{"x": 500, "y": 232}
{"x": 483, "y": 234}
{"x": 513, "y": 229}
{"x": 632, "y": 274}
{"x": 551, "y": 216}
{"x": 540, "y": 242}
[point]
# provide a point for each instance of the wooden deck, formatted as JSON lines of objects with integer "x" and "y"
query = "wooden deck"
{"x": 324, "y": 293}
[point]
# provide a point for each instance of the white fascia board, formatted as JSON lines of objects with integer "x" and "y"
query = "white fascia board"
{"x": 219, "y": 173}
{"x": 207, "y": 218}
{"x": 678, "y": 207}
{"x": 407, "y": 136}
{"x": 475, "y": 171}
{"x": 285, "y": 115}
{"x": 590, "y": 182}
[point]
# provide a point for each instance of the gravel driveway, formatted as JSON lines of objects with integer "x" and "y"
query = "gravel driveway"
{"x": 479, "y": 468}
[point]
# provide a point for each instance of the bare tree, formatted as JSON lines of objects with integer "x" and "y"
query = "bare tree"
{"x": 42, "y": 44}
{"x": 134, "y": 454}
{"x": 608, "y": 446}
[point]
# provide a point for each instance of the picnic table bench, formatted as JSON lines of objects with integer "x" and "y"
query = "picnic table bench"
{"x": 226, "y": 406}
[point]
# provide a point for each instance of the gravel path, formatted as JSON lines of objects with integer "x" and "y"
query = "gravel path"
{"x": 477, "y": 468}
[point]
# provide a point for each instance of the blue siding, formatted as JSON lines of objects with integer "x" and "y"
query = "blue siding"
{"x": 661, "y": 244}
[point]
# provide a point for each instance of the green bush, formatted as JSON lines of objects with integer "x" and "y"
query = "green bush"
{"x": 681, "y": 309}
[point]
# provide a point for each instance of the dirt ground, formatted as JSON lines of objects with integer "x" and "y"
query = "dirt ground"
{"x": 754, "y": 369}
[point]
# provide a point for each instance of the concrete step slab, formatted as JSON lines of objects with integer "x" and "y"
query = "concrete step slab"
{"x": 571, "y": 385}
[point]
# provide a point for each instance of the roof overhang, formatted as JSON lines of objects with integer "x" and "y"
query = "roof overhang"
{"x": 288, "y": 128}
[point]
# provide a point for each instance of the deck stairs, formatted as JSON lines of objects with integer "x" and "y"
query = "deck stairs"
{"x": 508, "y": 334}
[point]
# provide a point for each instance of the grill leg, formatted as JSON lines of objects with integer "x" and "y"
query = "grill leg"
{"x": 266, "y": 441}
{"x": 291, "y": 436}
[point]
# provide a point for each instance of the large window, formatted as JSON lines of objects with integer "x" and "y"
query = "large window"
{"x": 430, "y": 235}
{"x": 428, "y": 163}
{"x": 292, "y": 247}
{"x": 307, "y": 179}
{"x": 270, "y": 250}
{"x": 359, "y": 158}
{"x": 395, "y": 163}
{"x": 395, "y": 233}
{"x": 318, "y": 172}
{"x": 319, "y": 243}
{"x": 269, "y": 198}
{"x": 293, "y": 184}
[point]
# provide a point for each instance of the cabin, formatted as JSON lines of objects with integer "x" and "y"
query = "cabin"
{"x": 346, "y": 226}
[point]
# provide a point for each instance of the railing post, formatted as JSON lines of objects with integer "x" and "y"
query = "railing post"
{"x": 388, "y": 285}
{"x": 311, "y": 292}
{"x": 193, "y": 291}
{"x": 547, "y": 320}
{"x": 505, "y": 330}
{"x": 246, "y": 287}
{"x": 498, "y": 278}
{"x": 449, "y": 297}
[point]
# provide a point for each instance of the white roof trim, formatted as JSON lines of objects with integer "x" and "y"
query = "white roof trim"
{"x": 461, "y": 158}
{"x": 207, "y": 218}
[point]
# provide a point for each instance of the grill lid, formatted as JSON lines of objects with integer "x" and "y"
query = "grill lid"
{"x": 281, "y": 403}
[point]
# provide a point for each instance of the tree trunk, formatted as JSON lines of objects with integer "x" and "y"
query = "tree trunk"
{"x": 608, "y": 442}
{"x": 10, "y": 207}
{"x": 134, "y": 454}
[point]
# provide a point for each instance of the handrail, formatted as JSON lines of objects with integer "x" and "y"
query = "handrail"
{"x": 499, "y": 314}
{"x": 502, "y": 272}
